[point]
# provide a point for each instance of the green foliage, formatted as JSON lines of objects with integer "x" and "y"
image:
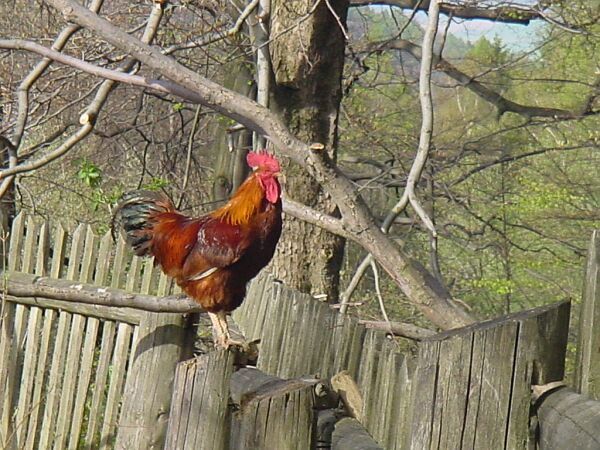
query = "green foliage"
{"x": 156, "y": 184}
{"x": 89, "y": 173}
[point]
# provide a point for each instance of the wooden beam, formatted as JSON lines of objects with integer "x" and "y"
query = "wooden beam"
{"x": 587, "y": 366}
{"x": 349, "y": 434}
{"x": 20, "y": 285}
{"x": 568, "y": 420}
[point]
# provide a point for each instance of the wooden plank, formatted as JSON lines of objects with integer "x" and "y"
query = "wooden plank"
{"x": 104, "y": 260}
{"x": 7, "y": 338}
{"x": 162, "y": 342}
{"x": 568, "y": 420}
{"x": 129, "y": 315}
{"x": 453, "y": 389}
{"x": 118, "y": 268}
{"x": 68, "y": 391}
{"x": 399, "y": 431}
{"x": 77, "y": 245}
{"x": 30, "y": 246}
{"x": 83, "y": 386}
{"x": 55, "y": 380}
{"x": 199, "y": 416}
{"x": 539, "y": 359}
{"x": 181, "y": 403}
{"x": 90, "y": 255}
{"x": 134, "y": 274}
{"x": 492, "y": 419}
{"x": 100, "y": 383}
{"x": 424, "y": 395}
{"x": 349, "y": 434}
{"x": 43, "y": 250}
{"x": 10, "y": 398}
{"x": 40, "y": 376}
{"x": 271, "y": 336}
{"x": 59, "y": 248}
{"x": 16, "y": 242}
{"x": 164, "y": 284}
{"x": 26, "y": 387}
{"x": 117, "y": 376}
{"x": 587, "y": 365}
{"x": 148, "y": 276}
{"x": 272, "y": 414}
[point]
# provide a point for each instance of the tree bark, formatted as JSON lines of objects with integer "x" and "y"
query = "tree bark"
{"x": 231, "y": 147}
{"x": 307, "y": 57}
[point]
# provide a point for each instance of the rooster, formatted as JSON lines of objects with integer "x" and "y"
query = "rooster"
{"x": 211, "y": 257}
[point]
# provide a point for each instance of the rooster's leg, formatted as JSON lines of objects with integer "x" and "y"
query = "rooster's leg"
{"x": 221, "y": 331}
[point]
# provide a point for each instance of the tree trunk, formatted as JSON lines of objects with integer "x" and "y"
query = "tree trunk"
{"x": 231, "y": 148}
{"x": 307, "y": 57}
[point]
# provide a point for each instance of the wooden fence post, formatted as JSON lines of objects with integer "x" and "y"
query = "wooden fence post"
{"x": 159, "y": 346}
{"x": 472, "y": 385}
{"x": 568, "y": 420}
{"x": 199, "y": 417}
{"x": 587, "y": 371}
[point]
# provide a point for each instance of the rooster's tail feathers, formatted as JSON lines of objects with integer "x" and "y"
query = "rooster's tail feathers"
{"x": 135, "y": 216}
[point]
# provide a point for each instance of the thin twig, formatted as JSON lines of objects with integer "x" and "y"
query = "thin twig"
{"x": 188, "y": 161}
{"x": 414, "y": 175}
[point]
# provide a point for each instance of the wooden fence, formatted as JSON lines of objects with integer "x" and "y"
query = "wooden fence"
{"x": 84, "y": 376}
{"x": 69, "y": 370}
{"x": 468, "y": 388}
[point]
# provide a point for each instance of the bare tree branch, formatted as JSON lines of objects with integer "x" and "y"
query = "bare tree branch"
{"x": 505, "y": 13}
{"x": 409, "y": 195}
{"x": 26, "y": 285}
{"x": 407, "y": 330}
{"x": 303, "y": 212}
{"x": 503, "y": 104}
{"x": 23, "y": 93}
{"x": 88, "y": 118}
{"x": 415, "y": 281}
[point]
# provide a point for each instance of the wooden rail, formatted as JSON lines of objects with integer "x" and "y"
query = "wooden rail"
{"x": 76, "y": 375}
{"x": 70, "y": 372}
{"x": 568, "y": 420}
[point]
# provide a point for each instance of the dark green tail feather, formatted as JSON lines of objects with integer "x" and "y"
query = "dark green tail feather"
{"x": 134, "y": 218}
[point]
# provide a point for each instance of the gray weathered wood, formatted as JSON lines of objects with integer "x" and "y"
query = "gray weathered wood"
{"x": 9, "y": 426}
{"x": 67, "y": 392}
{"x": 92, "y": 437}
{"x": 59, "y": 246}
{"x": 16, "y": 242}
{"x": 117, "y": 376}
{"x": 26, "y": 285}
{"x": 161, "y": 343}
{"x": 55, "y": 380}
{"x": 485, "y": 367}
{"x": 587, "y": 368}
{"x": 83, "y": 384}
{"x": 349, "y": 434}
{"x": 273, "y": 413}
{"x": 568, "y": 420}
{"x": 40, "y": 377}
{"x": 199, "y": 417}
{"x": 24, "y": 407}
{"x": 129, "y": 315}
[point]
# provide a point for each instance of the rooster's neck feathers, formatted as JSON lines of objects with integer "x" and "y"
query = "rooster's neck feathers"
{"x": 246, "y": 202}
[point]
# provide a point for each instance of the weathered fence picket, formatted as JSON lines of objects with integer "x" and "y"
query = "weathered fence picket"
{"x": 75, "y": 375}
{"x": 440, "y": 392}
{"x": 64, "y": 365}
{"x": 587, "y": 370}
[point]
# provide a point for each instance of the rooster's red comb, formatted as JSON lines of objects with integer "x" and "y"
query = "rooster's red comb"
{"x": 262, "y": 159}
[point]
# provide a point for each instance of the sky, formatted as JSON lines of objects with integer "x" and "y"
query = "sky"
{"x": 515, "y": 37}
